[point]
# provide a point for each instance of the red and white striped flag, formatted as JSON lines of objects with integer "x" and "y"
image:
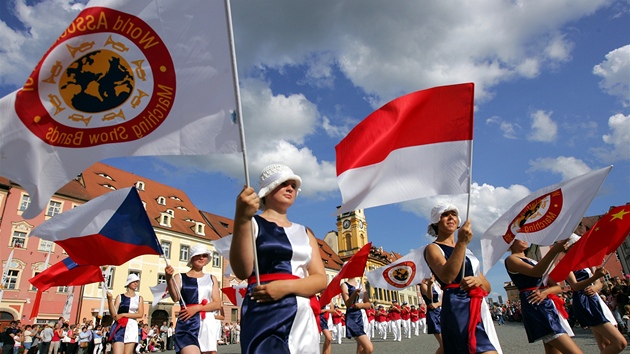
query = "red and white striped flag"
{"x": 416, "y": 146}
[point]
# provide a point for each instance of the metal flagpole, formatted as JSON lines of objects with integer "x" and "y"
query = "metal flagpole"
{"x": 468, "y": 202}
{"x": 239, "y": 118}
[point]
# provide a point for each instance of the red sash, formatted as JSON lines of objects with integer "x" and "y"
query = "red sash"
{"x": 557, "y": 302}
{"x": 120, "y": 323}
{"x": 476, "y": 295}
{"x": 201, "y": 313}
{"x": 283, "y": 276}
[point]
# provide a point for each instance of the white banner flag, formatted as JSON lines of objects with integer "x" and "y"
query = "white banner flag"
{"x": 142, "y": 77}
{"x": 5, "y": 273}
{"x": 223, "y": 247}
{"x": 160, "y": 292}
{"x": 67, "y": 307}
{"x": 541, "y": 218}
{"x": 401, "y": 274}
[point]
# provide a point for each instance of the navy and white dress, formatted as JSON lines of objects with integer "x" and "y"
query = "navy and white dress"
{"x": 289, "y": 324}
{"x": 356, "y": 319}
{"x": 129, "y": 334}
{"x": 590, "y": 310}
{"x": 540, "y": 320}
{"x": 456, "y": 312}
{"x": 433, "y": 315}
{"x": 201, "y": 329}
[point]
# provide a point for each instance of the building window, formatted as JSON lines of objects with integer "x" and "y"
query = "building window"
{"x": 140, "y": 185}
{"x": 216, "y": 260}
{"x": 170, "y": 212}
{"x": 32, "y": 287}
{"x": 63, "y": 289}
{"x": 54, "y": 208}
{"x": 184, "y": 252}
{"x": 18, "y": 239}
{"x": 25, "y": 202}
{"x": 166, "y": 248}
{"x": 161, "y": 200}
{"x": 165, "y": 220}
{"x": 12, "y": 279}
{"x": 199, "y": 228}
{"x": 161, "y": 279}
{"x": 45, "y": 246}
{"x": 109, "y": 278}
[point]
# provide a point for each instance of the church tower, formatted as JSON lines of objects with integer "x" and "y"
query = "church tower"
{"x": 352, "y": 233}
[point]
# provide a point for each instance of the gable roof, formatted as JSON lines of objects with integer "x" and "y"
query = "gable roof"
{"x": 329, "y": 257}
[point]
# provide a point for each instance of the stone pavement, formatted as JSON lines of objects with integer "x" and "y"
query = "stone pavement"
{"x": 511, "y": 335}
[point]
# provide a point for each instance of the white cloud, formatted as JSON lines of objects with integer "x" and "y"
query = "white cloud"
{"x": 508, "y": 129}
{"x": 568, "y": 167}
{"x": 615, "y": 73}
{"x": 619, "y": 138}
{"x": 416, "y": 45}
{"x": 544, "y": 129}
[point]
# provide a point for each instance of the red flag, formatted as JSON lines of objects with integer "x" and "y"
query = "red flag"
{"x": 415, "y": 146}
{"x": 235, "y": 294}
{"x": 602, "y": 239}
{"x": 353, "y": 268}
{"x": 64, "y": 273}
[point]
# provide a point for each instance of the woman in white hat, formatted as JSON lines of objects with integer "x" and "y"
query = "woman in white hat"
{"x": 127, "y": 309}
{"x": 196, "y": 329}
{"x": 462, "y": 295}
{"x": 277, "y": 316}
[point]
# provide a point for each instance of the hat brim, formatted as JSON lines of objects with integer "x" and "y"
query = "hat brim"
{"x": 273, "y": 185}
{"x": 189, "y": 264}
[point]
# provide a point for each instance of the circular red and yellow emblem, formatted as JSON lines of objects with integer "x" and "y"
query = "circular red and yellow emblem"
{"x": 536, "y": 216}
{"x": 109, "y": 78}
{"x": 400, "y": 275}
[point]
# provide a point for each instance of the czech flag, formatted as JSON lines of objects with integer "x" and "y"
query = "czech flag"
{"x": 108, "y": 230}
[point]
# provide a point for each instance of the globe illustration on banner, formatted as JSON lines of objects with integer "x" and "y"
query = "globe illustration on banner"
{"x": 96, "y": 82}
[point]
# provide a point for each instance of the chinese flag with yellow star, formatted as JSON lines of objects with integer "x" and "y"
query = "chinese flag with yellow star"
{"x": 601, "y": 240}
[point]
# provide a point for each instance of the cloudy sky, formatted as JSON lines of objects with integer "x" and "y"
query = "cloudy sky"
{"x": 551, "y": 97}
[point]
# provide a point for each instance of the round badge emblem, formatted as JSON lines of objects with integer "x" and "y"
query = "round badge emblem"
{"x": 536, "y": 216}
{"x": 401, "y": 274}
{"x": 109, "y": 78}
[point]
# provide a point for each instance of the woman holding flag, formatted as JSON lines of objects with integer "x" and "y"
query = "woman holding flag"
{"x": 356, "y": 301}
{"x": 590, "y": 310}
{"x": 466, "y": 322}
{"x": 126, "y": 310}
{"x": 196, "y": 329}
{"x": 281, "y": 314}
{"x": 539, "y": 308}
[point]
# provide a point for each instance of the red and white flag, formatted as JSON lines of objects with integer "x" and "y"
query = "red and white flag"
{"x": 541, "y": 218}
{"x": 401, "y": 274}
{"x": 160, "y": 292}
{"x": 142, "y": 77}
{"x": 415, "y": 146}
{"x": 236, "y": 294}
{"x": 601, "y": 240}
{"x": 355, "y": 267}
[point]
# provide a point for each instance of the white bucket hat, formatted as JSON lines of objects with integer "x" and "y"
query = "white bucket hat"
{"x": 131, "y": 278}
{"x": 437, "y": 212}
{"x": 274, "y": 175}
{"x": 197, "y": 250}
